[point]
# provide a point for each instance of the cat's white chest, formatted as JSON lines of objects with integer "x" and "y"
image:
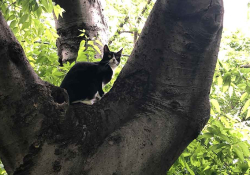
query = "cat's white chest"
{"x": 113, "y": 63}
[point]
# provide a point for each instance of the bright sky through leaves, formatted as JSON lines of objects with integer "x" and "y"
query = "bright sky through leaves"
{"x": 236, "y": 15}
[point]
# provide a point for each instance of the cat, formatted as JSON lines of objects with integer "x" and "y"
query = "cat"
{"x": 85, "y": 80}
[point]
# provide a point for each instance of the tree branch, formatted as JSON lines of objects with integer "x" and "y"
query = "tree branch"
{"x": 245, "y": 66}
{"x": 118, "y": 30}
{"x": 157, "y": 106}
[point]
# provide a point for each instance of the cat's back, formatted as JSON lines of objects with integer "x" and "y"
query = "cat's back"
{"x": 80, "y": 70}
{"x": 84, "y": 66}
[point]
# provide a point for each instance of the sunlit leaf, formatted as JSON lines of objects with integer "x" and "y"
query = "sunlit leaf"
{"x": 238, "y": 152}
{"x": 216, "y": 105}
{"x": 244, "y": 167}
{"x": 11, "y": 17}
{"x": 39, "y": 12}
{"x": 13, "y": 24}
{"x": 247, "y": 104}
{"x": 244, "y": 148}
{"x": 24, "y": 18}
{"x": 244, "y": 96}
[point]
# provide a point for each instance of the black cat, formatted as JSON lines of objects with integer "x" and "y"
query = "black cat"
{"x": 85, "y": 80}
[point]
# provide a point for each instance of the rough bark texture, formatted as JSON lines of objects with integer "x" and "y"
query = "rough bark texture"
{"x": 80, "y": 14}
{"x": 158, "y": 105}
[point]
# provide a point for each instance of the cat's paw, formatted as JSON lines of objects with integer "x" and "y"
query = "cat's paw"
{"x": 98, "y": 97}
{"x": 86, "y": 102}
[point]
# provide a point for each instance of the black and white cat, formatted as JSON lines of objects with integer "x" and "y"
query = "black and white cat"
{"x": 85, "y": 80}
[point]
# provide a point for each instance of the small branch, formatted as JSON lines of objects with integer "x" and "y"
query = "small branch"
{"x": 245, "y": 66}
{"x": 125, "y": 55}
{"x": 39, "y": 42}
{"x": 143, "y": 11}
{"x": 12, "y": 4}
{"x": 118, "y": 30}
{"x": 125, "y": 32}
{"x": 139, "y": 20}
{"x": 135, "y": 36}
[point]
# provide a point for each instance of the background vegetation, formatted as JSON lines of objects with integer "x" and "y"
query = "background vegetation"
{"x": 223, "y": 145}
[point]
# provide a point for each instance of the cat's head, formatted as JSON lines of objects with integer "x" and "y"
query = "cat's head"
{"x": 112, "y": 58}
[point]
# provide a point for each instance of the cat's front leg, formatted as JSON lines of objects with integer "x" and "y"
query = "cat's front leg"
{"x": 100, "y": 91}
{"x": 98, "y": 97}
{"x": 99, "y": 94}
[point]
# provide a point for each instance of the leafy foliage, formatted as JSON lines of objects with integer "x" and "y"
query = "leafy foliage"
{"x": 2, "y": 170}
{"x": 30, "y": 21}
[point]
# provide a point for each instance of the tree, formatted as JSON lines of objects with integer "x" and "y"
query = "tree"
{"x": 158, "y": 105}
{"x": 87, "y": 15}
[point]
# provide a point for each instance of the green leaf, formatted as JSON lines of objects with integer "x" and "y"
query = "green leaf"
{"x": 11, "y": 17}
{"x": 44, "y": 3}
{"x": 99, "y": 42}
{"x": 58, "y": 74}
{"x": 213, "y": 130}
{"x": 244, "y": 96}
{"x": 82, "y": 56}
{"x": 35, "y": 7}
{"x": 25, "y": 25}
{"x": 248, "y": 114}
{"x": 24, "y": 18}
{"x": 56, "y": 11}
{"x": 7, "y": 12}
{"x": 13, "y": 24}
{"x": 206, "y": 135}
{"x": 39, "y": 12}
{"x": 238, "y": 152}
{"x": 212, "y": 148}
{"x": 95, "y": 47}
{"x": 15, "y": 30}
{"x": 206, "y": 168}
{"x": 40, "y": 30}
{"x": 220, "y": 81}
{"x": 224, "y": 137}
{"x": 242, "y": 86}
{"x": 215, "y": 104}
{"x": 247, "y": 104}
{"x": 50, "y": 6}
{"x": 244, "y": 148}
{"x": 226, "y": 81}
{"x": 244, "y": 167}
{"x": 248, "y": 89}
{"x": 185, "y": 154}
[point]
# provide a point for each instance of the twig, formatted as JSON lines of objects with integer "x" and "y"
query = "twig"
{"x": 118, "y": 30}
{"x": 143, "y": 11}
{"x": 39, "y": 42}
{"x": 125, "y": 32}
{"x": 245, "y": 66}
{"x": 136, "y": 34}
{"x": 125, "y": 55}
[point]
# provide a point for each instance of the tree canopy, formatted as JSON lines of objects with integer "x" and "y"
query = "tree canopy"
{"x": 222, "y": 146}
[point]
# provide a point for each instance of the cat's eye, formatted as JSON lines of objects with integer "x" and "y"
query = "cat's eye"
{"x": 110, "y": 56}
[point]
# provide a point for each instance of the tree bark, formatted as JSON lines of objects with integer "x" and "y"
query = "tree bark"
{"x": 157, "y": 106}
{"x": 79, "y": 15}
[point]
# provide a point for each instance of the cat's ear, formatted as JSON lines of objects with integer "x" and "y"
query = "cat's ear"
{"x": 119, "y": 53}
{"x": 106, "y": 49}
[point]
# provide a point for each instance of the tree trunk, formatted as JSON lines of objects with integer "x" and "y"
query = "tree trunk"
{"x": 158, "y": 105}
{"x": 79, "y": 15}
